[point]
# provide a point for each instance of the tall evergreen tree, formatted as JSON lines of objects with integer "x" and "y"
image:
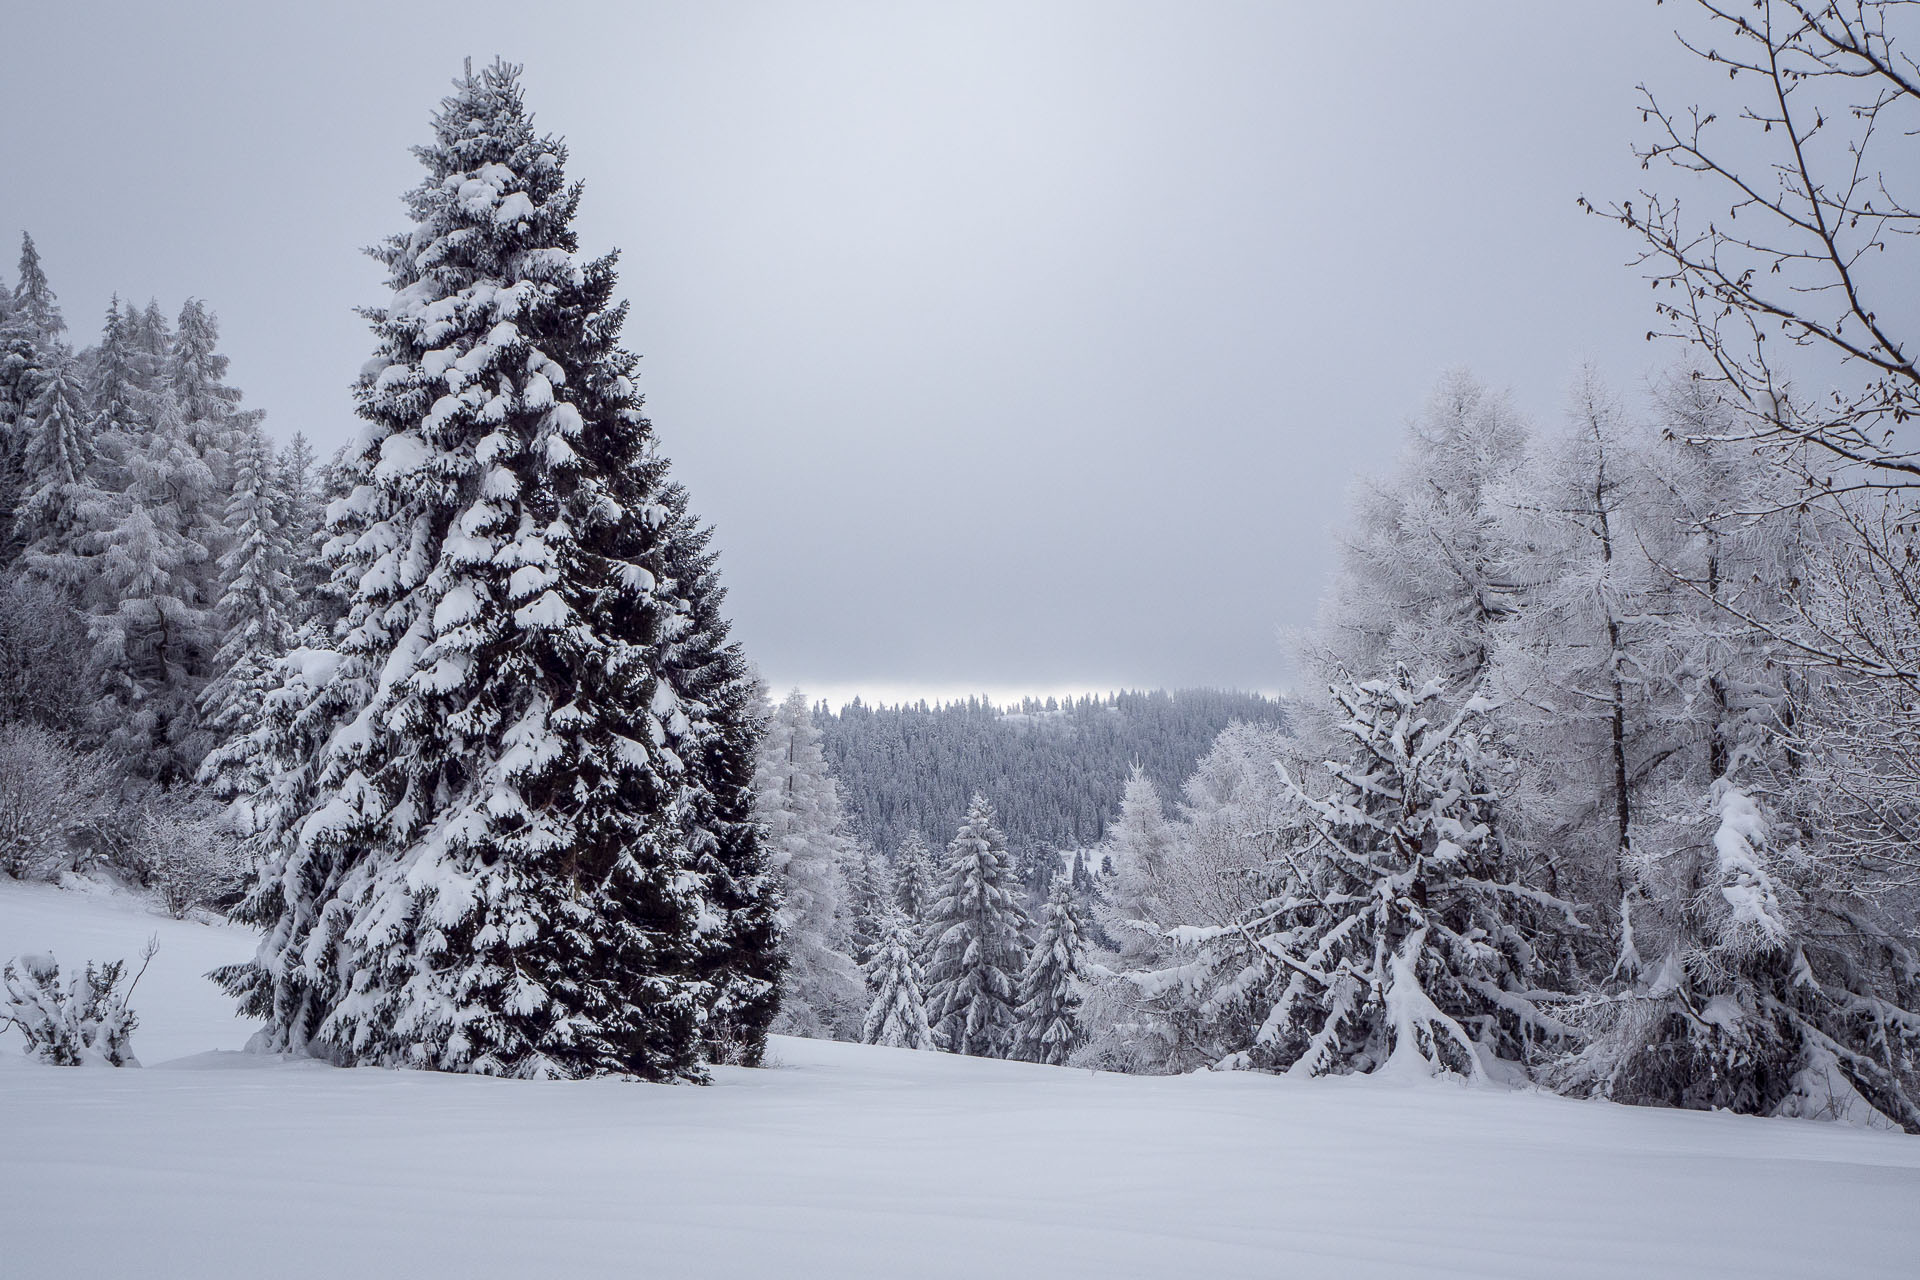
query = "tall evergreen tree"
{"x": 488, "y": 867}
{"x": 195, "y": 373}
{"x": 897, "y": 1012}
{"x": 740, "y": 959}
{"x": 1049, "y": 1029}
{"x": 978, "y": 948}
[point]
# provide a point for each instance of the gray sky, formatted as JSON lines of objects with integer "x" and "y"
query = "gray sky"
{"x": 1011, "y": 347}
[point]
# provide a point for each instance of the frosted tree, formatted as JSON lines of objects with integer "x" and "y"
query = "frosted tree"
{"x": 487, "y": 864}
{"x": 153, "y": 357}
{"x": 1048, "y": 1029}
{"x": 196, "y": 370}
{"x": 1426, "y": 569}
{"x": 1396, "y": 936}
{"x": 1138, "y": 848}
{"x": 122, "y": 409}
{"x": 59, "y": 503}
{"x": 151, "y": 625}
{"x": 915, "y": 879}
{"x": 1748, "y": 1005}
{"x": 976, "y": 941}
{"x": 1132, "y": 1030}
{"x": 869, "y": 897}
{"x": 807, "y": 843}
{"x": 1170, "y": 1006}
{"x": 897, "y": 1011}
{"x": 1575, "y": 668}
{"x": 195, "y": 373}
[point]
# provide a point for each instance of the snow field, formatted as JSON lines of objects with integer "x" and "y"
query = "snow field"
{"x": 849, "y": 1161}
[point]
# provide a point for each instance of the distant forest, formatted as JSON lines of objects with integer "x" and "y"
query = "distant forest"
{"x": 1054, "y": 770}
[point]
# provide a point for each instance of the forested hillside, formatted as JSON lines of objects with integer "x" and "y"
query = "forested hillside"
{"x": 1053, "y": 770}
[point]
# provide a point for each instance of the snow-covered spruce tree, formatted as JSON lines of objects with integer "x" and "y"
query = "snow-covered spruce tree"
{"x": 196, "y": 370}
{"x": 807, "y": 843}
{"x": 976, "y": 941}
{"x": 35, "y": 309}
{"x": 869, "y": 897}
{"x": 739, "y": 956}
{"x": 897, "y": 1011}
{"x": 60, "y": 504}
{"x": 255, "y": 612}
{"x": 1396, "y": 936}
{"x": 477, "y": 850}
{"x": 1048, "y": 1029}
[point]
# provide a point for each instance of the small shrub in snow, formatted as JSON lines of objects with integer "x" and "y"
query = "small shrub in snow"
{"x": 186, "y": 854}
{"x": 83, "y": 1021}
{"x": 51, "y": 796}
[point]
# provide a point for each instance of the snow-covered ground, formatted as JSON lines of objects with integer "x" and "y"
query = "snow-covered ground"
{"x": 844, "y": 1161}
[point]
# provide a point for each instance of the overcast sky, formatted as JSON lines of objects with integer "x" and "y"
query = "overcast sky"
{"x": 1010, "y": 347}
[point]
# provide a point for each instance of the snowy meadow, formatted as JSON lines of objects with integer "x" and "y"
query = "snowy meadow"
{"x": 867, "y": 1161}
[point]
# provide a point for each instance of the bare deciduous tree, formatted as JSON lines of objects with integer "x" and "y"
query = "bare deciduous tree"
{"x": 1809, "y": 240}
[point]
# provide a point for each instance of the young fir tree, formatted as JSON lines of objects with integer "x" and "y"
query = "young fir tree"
{"x": 897, "y": 1012}
{"x": 1049, "y": 1028}
{"x": 807, "y": 842}
{"x": 977, "y": 941}
{"x": 491, "y": 862}
{"x": 59, "y": 502}
{"x": 915, "y": 879}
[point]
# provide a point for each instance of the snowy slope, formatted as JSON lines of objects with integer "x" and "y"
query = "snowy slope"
{"x": 844, "y": 1161}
